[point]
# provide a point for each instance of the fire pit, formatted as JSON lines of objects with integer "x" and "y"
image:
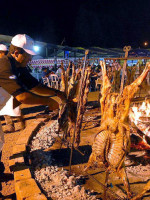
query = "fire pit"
{"x": 140, "y": 115}
{"x": 49, "y": 166}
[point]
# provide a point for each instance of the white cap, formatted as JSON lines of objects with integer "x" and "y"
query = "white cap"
{"x": 3, "y": 47}
{"x": 25, "y": 42}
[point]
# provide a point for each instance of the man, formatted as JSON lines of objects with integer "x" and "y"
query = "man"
{"x": 18, "y": 82}
{"x": 7, "y": 111}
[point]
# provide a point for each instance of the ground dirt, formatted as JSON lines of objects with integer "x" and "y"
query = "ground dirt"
{"x": 7, "y": 181}
{"x": 137, "y": 163}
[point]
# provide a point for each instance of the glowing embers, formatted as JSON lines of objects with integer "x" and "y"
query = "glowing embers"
{"x": 140, "y": 115}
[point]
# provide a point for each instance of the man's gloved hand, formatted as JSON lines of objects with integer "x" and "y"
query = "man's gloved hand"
{"x": 62, "y": 96}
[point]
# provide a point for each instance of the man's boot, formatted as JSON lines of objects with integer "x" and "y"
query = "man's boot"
{"x": 9, "y": 124}
{"x": 20, "y": 124}
{"x": 2, "y": 168}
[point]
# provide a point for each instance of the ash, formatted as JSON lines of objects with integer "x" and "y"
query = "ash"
{"x": 139, "y": 171}
{"x": 54, "y": 182}
{"x": 45, "y": 137}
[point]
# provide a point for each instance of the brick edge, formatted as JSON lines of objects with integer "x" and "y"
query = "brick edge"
{"x": 25, "y": 186}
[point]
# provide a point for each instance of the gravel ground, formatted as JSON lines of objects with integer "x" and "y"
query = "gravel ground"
{"x": 55, "y": 182}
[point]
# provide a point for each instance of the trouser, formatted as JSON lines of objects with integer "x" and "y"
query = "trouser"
{"x": 1, "y": 137}
{"x": 4, "y": 97}
{"x": 9, "y": 122}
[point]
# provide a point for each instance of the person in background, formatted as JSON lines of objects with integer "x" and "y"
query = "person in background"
{"x": 44, "y": 72}
{"x": 58, "y": 72}
{"x": 45, "y": 79}
{"x": 93, "y": 78}
{"x": 7, "y": 111}
{"x": 3, "y": 50}
{"x": 50, "y": 72}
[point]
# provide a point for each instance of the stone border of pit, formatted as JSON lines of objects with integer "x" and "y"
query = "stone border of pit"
{"x": 26, "y": 187}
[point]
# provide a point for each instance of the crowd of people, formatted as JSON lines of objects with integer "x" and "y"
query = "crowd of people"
{"x": 114, "y": 71}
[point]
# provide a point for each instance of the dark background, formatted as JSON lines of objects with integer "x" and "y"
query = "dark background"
{"x": 103, "y": 23}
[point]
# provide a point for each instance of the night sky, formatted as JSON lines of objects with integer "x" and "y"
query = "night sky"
{"x": 103, "y": 23}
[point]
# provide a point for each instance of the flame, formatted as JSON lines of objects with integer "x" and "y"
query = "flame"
{"x": 136, "y": 115}
{"x": 144, "y": 139}
{"x": 143, "y": 106}
{"x": 139, "y": 114}
{"x": 148, "y": 109}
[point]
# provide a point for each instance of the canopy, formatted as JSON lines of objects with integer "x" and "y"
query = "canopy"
{"x": 139, "y": 53}
{"x": 47, "y": 62}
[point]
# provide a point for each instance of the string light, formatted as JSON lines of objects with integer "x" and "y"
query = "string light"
{"x": 145, "y": 43}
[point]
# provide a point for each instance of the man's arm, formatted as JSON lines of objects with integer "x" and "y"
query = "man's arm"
{"x": 33, "y": 86}
{"x": 30, "y": 98}
{"x": 43, "y": 90}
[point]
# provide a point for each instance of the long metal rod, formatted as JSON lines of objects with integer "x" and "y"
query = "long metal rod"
{"x": 70, "y": 161}
{"x": 62, "y": 143}
{"x": 121, "y": 58}
{"x": 129, "y": 58}
{"x": 82, "y": 77}
{"x": 126, "y": 49}
{"x": 65, "y": 140}
{"x": 140, "y": 99}
{"x": 101, "y": 184}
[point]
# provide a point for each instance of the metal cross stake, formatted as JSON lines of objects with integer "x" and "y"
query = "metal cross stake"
{"x": 126, "y": 49}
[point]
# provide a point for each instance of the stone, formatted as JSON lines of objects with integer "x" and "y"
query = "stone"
{"x": 23, "y": 139}
{"x": 36, "y": 197}
{"x": 22, "y": 174}
{"x": 11, "y": 164}
{"x": 19, "y": 148}
{"x": 26, "y": 188}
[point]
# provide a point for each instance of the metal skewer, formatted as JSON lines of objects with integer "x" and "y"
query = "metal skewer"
{"x": 80, "y": 90}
